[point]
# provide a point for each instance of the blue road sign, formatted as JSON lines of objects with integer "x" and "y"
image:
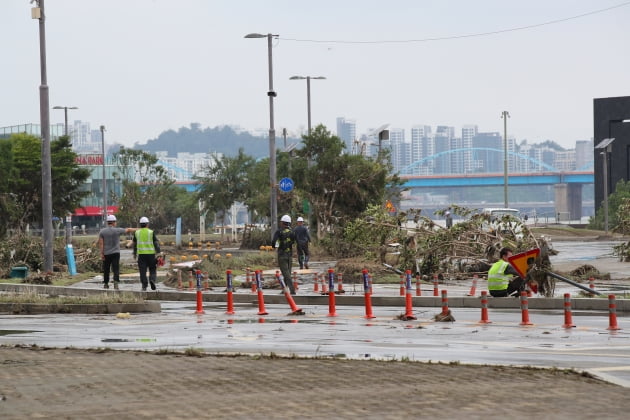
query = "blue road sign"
{"x": 286, "y": 184}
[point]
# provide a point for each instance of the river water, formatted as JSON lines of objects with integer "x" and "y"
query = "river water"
{"x": 583, "y": 251}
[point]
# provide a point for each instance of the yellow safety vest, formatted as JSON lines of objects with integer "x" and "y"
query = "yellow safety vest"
{"x": 144, "y": 241}
{"x": 497, "y": 279}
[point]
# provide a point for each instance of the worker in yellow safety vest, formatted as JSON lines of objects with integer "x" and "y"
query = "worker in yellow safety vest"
{"x": 503, "y": 279}
{"x": 146, "y": 246}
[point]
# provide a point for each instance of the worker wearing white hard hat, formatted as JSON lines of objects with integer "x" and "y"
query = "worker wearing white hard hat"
{"x": 109, "y": 244}
{"x": 146, "y": 245}
{"x": 302, "y": 238}
{"x": 283, "y": 240}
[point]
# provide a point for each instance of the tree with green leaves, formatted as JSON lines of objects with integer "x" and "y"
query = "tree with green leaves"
{"x": 21, "y": 181}
{"x": 340, "y": 186}
{"x": 146, "y": 188}
{"x": 615, "y": 200}
{"x": 225, "y": 182}
{"x": 258, "y": 197}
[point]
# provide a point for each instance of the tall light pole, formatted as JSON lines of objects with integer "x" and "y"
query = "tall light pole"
{"x": 505, "y": 115}
{"x": 44, "y": 115}
{"x": 308, "y": 93}
{"x": 272, "y": 135}
{"x": 104, "y": 180}
{"x": 65, "y": 114}
{"x": 606, "y": 146}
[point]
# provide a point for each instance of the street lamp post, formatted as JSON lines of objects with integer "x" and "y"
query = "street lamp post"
{"x": 308, "y": 93}
{"x": 65, "y": 112}
{"x": 44, "y": 113}
{"x": 505, "y": 115}
{"x": 104, "y": 180}
{"x": 272, "y": 134}
{"x": 606, "y": 146}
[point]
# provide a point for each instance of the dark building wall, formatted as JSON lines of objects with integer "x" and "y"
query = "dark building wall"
{"x": 608, "y": 120}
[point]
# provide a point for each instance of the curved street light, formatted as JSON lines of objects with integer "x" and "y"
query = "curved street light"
{"x": 65, "y": 112}
{"x": 272, "y": 134}
{"x": 308, "y": 93}
{"x": 44, "y": 115}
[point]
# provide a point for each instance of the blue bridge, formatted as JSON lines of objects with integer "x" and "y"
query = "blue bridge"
{"x": 541, "y": 178}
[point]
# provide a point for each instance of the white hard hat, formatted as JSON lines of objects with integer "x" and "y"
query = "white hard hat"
{"x": 111, "y": 218}
{"x": 286, "y": 218}
{"x": 300, "y": 219}
{"x": 144, "y": 220}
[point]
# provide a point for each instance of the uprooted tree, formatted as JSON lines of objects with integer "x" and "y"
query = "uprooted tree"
{"x": 411, "y": 241}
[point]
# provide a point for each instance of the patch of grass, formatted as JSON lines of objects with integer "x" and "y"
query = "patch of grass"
{"x": 194, "y": 352}
{"x": 106, "y": 298}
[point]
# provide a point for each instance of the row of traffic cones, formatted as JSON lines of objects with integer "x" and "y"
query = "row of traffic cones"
{"x": 445, "y": 315}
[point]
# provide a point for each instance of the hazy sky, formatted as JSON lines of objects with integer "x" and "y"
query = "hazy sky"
{"x": 140, "y": 67}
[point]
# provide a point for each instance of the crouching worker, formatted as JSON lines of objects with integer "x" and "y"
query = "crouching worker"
{"x": 503, "y": 279}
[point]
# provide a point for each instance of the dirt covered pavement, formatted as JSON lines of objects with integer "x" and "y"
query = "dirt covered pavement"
{"x": 81, "y": 384}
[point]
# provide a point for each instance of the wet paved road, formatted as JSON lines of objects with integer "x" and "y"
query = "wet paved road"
{"x": 589, "y": 346}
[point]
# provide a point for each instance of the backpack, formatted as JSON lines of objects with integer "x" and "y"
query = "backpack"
{"x": 285, "y": 240}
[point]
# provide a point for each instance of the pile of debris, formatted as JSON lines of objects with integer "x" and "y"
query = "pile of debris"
{"x": 411, "y": 241}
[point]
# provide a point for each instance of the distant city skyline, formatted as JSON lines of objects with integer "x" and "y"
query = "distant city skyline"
{"x": 145, "y": 66}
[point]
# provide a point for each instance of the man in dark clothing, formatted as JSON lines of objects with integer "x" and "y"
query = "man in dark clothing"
{"x": 146, "y": 246}
{"x": 109, "y": 244}
{"x": 283, "y": 239}
{"x": 303, "y": 238}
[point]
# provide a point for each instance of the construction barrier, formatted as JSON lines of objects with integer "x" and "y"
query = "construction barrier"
{"x": 261, "y": 298}
{"x": 524, "y": 309}
{"x": 250, "y": 280}
{"x": 435, "y": 285}
{"x": 368, "y": 294}
{"x": 568, "y": 317}
{"x": 444, "y": 302}
{"x": 408, "y": 299}
{"x": 287, "y": 294}
{"x": 473, "y": 288}
{"x": 402, "y": 285}
{"x": 315, "y": 283}
{"x": 612, "y": 313}
{"x": 340, "y": 283}
{"x": 295, "y": 280}
{"x": 418, "y": 289}
{"x": 331, "y": 293}
{"x": 230, "y": 290}
{"x": 324, "y": 284}
{"x": 484, "y": 308}
{"x": 190, "y": 280}
{"x": 199, "y": 293}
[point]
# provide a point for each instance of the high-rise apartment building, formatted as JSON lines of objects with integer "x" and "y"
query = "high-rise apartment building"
{"x": 468, "y": 133}
{"x": 400, "y": 156}
{"x": 421, "y": 148}
{"x": 484, "y": 159}
{"x": 583, "y": 155}
{"x": 347, "y": 132}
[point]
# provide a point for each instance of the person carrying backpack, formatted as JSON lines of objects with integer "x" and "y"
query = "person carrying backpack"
{"x": 283, "y": 240}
